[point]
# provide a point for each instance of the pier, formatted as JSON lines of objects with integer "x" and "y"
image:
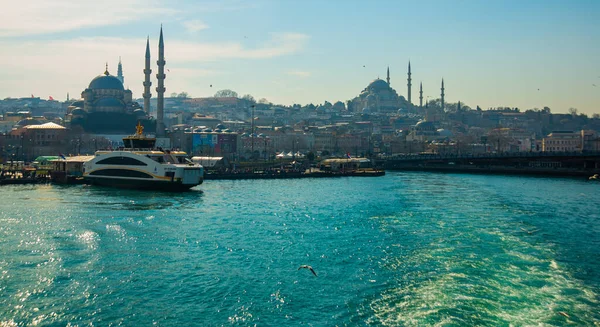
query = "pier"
{"x": 522, "y": 163}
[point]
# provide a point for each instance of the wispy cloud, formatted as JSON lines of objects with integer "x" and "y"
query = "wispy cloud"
{"x": 28, "y": 65}
{"x": 46, "y": 17}
{"x": 299, "y": 73}
{"x": 194, "y": 26}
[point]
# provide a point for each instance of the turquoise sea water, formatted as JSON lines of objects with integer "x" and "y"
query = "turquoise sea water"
{"x": 407, "y": 249}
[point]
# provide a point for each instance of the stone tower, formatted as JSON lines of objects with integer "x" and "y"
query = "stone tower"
{"x": 160, "y": 89}
{"x": 147, "y": 71}
{"x": 388, "y": 75}
{"x": 443, "y": 103}
{"x": 120, "y": 72}
{"x": 421, "y": 95}
{"x": 409, "y": 84}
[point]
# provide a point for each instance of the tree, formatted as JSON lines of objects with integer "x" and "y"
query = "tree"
{"x": 182, "y": 95}
{"x": 249, "y": 98}
{"x": 173, "y": 95}
{"x": 573, "y": 111}
{"x": 264, "y": 101}
{"x": 227, "y": 93}
{"x": 310, "y": 156}
{"x": 596, "y": 116}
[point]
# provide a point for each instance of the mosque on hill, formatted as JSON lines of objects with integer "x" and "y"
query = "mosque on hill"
{"x": 106, "y": 107}
{"x": 380, "y": 97}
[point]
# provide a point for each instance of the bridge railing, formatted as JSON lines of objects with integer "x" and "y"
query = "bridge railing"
{"x": 435, "y": 156}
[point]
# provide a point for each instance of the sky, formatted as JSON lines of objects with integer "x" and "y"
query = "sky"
{"x": 523, "y": 54}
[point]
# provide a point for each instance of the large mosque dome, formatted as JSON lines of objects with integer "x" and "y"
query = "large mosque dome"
{"x": 378, "y": 85}
{"x": 106, "y": 82}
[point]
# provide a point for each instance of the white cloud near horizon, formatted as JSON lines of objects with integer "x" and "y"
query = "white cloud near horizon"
{"x": 36, "y": 17}
{"x": 57, "y": 66}
{"x": 193, "y": 26}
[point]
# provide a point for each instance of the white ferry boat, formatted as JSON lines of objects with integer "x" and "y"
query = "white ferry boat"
{"x": 139, "y": 165}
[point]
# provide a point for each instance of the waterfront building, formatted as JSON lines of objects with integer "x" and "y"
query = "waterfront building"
{"x": 562, "y": 141}
{"x": 590, "y": 141}
{"x": 215, "y": 143}
{"x": 33, "y": 140}
{"x": 510, "y": 139}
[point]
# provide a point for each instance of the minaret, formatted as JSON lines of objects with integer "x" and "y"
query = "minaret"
{"x": 409, "y": 84}
{"x": 160, "y": 89}
{"x": 120, "y": 72}
{"x": 147, "y": 95}
{"x": 67, "y": 96}
{"x": 443, "y": 105}
{"x": 421, "y": 95}
{"x": 458, "y": 107}
{"x": 388, "y": 75}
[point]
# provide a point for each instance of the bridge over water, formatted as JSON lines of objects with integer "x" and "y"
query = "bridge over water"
{"x": 534, "y": 163}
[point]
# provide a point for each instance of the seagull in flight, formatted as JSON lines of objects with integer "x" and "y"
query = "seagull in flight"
{"x": 594, "y": 85}
{"x": 529, "y": 231}
{"x": 309, "y": 268}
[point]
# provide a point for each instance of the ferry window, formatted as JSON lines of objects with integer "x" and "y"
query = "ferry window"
{"x": 120, "y": 173}
{"x": 121, "y": 161}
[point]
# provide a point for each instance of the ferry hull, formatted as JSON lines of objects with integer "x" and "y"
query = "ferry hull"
{"x": 142, "y": 184}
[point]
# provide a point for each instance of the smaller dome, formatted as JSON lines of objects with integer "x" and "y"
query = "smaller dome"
{"x": 78, "y": 112}
{"x": 78, "y": 103}
{"x": 444, "y": 132}
{"x": 139, "y": 112}
{"x": 425, "y": 126}
{"x": 220, "y": 126}
{"x": 208, "y": 130}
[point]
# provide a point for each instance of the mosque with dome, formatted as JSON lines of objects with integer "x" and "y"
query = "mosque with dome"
{"x": 380, "y": 97}
{"x": 107, "y": 107}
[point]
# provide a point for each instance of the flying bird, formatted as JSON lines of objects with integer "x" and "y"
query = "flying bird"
{"x": 211, "y": 85}
{"x": 529, "y": 231}
{"x": 594, "y": 85}
{"x": 309, "y": 268}
{"x": 364, "y": 66}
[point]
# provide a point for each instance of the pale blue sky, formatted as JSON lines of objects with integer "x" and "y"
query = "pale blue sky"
{"x": 489, "y": 53}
